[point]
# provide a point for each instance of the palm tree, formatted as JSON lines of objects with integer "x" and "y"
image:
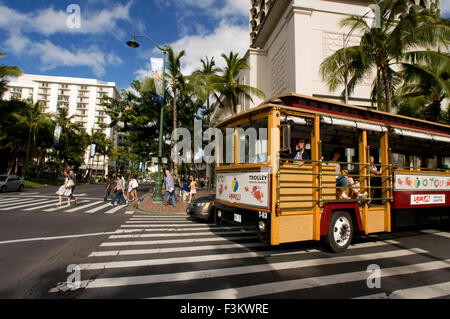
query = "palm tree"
{"x": 228, "y": 84}
{"x": 6, "y": 71}
{"x": 204, "y": 76}
{"x": 404, "y": 28}
{"x": 33, "y": 119}
{"x": 426, "y": 85}
{"x": 177, "y": 81}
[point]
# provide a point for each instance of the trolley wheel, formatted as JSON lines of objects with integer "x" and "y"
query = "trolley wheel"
{"x": 3, "y": 189}
{"x": 340, "y": 232}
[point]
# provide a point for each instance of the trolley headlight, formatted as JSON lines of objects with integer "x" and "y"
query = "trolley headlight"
{"x": 219, "y": 214}
{"x": 262, "y": 226}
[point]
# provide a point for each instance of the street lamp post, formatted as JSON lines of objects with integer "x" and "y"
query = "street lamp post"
{"x": 157, "y": 196}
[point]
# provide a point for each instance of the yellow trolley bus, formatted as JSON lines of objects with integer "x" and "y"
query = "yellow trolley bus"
{"x": 361, "y": 171}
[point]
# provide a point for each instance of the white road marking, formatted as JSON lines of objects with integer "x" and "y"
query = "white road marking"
{"x": 422, "y": 292}
{"x": 225, "y": 272}
{"x": 17, "y": 202}
{"x": 171, "y": 250}
{"x": 130, "y": 212}
{"x": 181, "y": 234}
{"x": 64, "y": 206}
{"x": 437, "y": 233}
{"x": 7, "y": 200}
{"x": 53, "y": 238}
{"x": 40, "y": 201}
{"x": 160, "y": 225}
{"x": 81, "y": 207}
{"x": 97, "y": 209}
{"x": 195, "y": 259}
{"x": 176, "y": 229}
{"x": 140, "y": 221}
{"x": 173, "y": 241}
{"x": 40, "y": 207}
{"x": 313, "y": 282}
{"x": 115, "y": 209}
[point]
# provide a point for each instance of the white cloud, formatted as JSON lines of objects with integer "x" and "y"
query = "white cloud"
{"x": 46, "y": 22}
{"x": 230, "y": 34}
{"x": 50, "y": 21}
{"x": 223, "y": 39}
{"x": 53, "y": 56}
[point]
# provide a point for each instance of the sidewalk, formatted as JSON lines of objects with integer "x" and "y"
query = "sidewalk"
{"x": 148, "y": 205}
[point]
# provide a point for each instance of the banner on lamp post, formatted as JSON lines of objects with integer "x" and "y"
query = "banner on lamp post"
{"x": 157, "y": 71}
{"x": 56, "y": 136}
{"x": 93, "y": 150}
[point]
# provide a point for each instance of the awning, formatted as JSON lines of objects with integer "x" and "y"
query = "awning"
{"x": 424, "y": 136}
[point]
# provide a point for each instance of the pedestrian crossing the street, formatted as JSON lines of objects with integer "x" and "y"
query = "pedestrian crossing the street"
{"x": 176, "y": 257}
{"x": 48, "y": 204}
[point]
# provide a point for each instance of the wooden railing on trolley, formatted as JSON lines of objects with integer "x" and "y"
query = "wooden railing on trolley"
{"x": 295, "y": 184}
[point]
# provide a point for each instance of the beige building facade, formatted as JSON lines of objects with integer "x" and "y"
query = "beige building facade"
{"x": 289, "y": 39}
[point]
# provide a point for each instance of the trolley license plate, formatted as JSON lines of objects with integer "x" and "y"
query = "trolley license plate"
{"x": 237, "y": 218}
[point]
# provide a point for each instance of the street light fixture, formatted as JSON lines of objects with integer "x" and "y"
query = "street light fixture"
{"x": 157, "y": 196}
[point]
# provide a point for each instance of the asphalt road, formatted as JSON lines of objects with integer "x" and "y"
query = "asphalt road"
{"x": 168, "y": 256}
{"x": 34, "y": 250}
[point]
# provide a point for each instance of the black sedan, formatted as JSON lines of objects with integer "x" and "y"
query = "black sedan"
{"x": 202, "y": 208}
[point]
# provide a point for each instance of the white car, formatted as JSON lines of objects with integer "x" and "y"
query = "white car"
{"x": 11, "y": 183}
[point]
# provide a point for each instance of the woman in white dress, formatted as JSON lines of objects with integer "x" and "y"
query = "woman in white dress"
{"x": 64, "y": 190}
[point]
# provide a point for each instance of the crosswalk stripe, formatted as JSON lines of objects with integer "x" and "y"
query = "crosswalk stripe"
{"x": 422, "y": 292}
{"x": 82, "y": 207}
{"x": 160, "y": 225}
{"x": 40, "y": 201}
{"x": 97, "y": 209}
{"x": 195, "y": 259}
{"x": 20, "y": 201}
{"x": 161, "y": 215}
{"x": 180, "y": 234}
{"x": 173, "y": 241}
{"x": 304, "y": 283}
{"x": 115, "y": 209}
{"x": 234, "y": 271}
{"x": 40, "y": 207}
{"x": 130, "y": 252}
{"x": 137, "y": 221}
{"x": 7, "y": 200}
{"x": 200, "y": 227}
{"x": 130, "y": 212}
{"x": 437, "y": 233}
{"x": 63, "y": 207}
{"x": 226, "y": 245}
{"x": 157, "y": 217}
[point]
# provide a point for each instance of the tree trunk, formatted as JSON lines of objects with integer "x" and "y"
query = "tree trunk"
{"x": 12, "y": 161}
{"x": 27, "y": 156}
{"x": 387, "y": 89}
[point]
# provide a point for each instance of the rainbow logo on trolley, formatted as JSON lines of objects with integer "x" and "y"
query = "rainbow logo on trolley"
{"x": 235, "y": 185}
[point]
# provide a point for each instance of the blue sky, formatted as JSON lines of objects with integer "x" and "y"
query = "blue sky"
{"x": 36, "y": 36}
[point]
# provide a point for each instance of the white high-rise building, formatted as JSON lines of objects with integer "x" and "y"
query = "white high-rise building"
{"x": 82, "y": 97}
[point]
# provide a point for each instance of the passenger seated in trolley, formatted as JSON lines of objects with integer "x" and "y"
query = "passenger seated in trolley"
{"x": 344, "y": 181}
{"x": 301, "y": 153}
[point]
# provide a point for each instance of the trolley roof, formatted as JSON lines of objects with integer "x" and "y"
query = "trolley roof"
{"x": 313, "y": 105}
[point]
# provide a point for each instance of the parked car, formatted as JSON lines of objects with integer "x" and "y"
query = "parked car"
{"x": 202, "y": 208}
{"x": 11, "y": 183}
